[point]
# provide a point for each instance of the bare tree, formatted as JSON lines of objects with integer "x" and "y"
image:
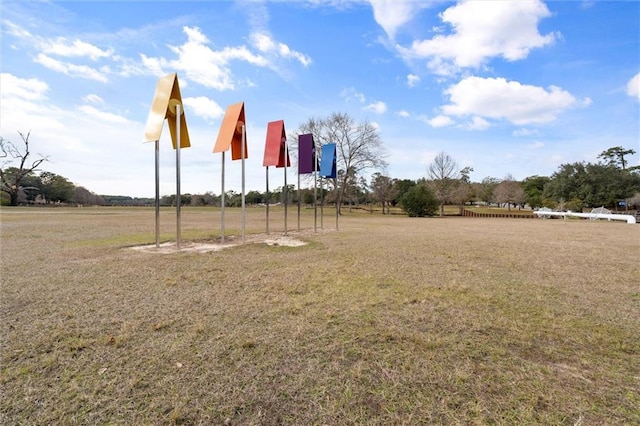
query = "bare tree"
{"x": 509, "y": 191}
{"x": 384, "y": 190}
{"x": 11, "y": 177}
{"x": 358, "y": 146}
{"x": 444, "y": 179}
{"x": 85, "y": 197}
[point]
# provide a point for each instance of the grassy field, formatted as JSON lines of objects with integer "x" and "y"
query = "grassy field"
{"x": 390, "y": 320}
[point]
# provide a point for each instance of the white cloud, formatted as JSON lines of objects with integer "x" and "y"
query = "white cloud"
{"x": 350, "y": 93}
{"x": 376, "y": 107}
{"x": 536, "y": 145}
{"x": 72, "y": 70}
{"x": 103, "y": 116}
{"x": 265, "y": 44}
{"x": 17, "y": 31}
{"x": 211, "y": 68}
{"x": 286, "y": 52}
{"x": 498, "y": 98}
{"x": 412, "y": 80}
{"x": 154, "y": 65}
{"x": 28, "y": 89}
{"x": 524, "y": 132}
{"x": 204, "y": 107}
{"x": 483, "y": 30}
{"x": 63, "y": 47}
{"x": 23, "y": 107}
{"x": 436, "y": 122}
{"x": 60, "y": 46}
{"x": 633, "y": 87}
{"x": 478, "y": 123}
{"x": 93, "y": 99}
{"x": 392, "y": 14}
{"x": 204, "y": 65}
{"x": 440, "y": 121}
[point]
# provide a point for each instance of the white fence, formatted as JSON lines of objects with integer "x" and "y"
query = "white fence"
{"x": 609, "y": 216}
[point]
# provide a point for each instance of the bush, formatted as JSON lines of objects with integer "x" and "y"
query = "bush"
{"x": 419, "y": 201}
{"x": 575, "y": 205}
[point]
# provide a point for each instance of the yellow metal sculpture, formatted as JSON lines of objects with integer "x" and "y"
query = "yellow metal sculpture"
{"x": 167, "y": 104}
{"x": 165, "y": 100}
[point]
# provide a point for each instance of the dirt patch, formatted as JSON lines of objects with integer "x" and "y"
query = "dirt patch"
{"x": 212, "y": 246}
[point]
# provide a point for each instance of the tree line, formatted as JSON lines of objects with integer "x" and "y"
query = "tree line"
{"x": 608, "y": 182}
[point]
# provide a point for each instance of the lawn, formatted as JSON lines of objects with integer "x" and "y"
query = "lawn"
{"x": 390, "y": 320}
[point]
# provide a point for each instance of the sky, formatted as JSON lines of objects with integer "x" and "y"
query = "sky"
{"x": 505, "y": 87}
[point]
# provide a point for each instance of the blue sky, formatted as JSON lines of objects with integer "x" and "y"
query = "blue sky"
{"x": 513, "y": 87}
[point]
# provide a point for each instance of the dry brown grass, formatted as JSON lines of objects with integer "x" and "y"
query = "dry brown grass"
{"x": 391, "y": 320}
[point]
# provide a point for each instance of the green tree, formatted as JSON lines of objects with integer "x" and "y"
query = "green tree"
{"x": 307, "y": 197}
{"x": 566, "y": 183}
{"x": 533, "y": 187}
{"x": 253, "y": 197}
{"x": 56, "y": 188}
{"x": 233, "y": 199}
{"x": 593, "y": 185}
{"x": 464, "y": 192}
{"x": 615, "y": 156}
{"x": 11, "y": 177}
{"x": 419, "y": 201}
{"x": 401, "y": 187}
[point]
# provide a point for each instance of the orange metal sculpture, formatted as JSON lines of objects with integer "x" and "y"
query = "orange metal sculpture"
{"x": 230, "y": 133}
{"x": 233, "y": 134}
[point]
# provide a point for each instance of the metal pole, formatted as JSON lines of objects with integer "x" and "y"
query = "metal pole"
{"x": 243, "y": 205}
{"x": 157, "y": 193}
{"x": 337, "y": 205}
{"x": 315, "y": 191}
{"x": 178, "y": 197}
{"x": 321, "y": 203}
{"x": 299, "y": 200}
{"x": 286, "y": 189}
{"x": 267, "y": 179}
{"x": 222, "y": 203}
